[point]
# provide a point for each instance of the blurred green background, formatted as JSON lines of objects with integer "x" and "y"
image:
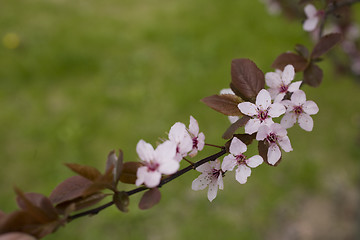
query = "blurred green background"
{"x": 91, "y": 76}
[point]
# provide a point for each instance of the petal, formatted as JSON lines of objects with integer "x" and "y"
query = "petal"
{"x": 140, "y": 175}
{"x": 185, "y": 145}
{"x": 254, "y": 161}
{"x": 205, "y": 168}
{"x": 242, "y": 173}
{"x": 288, "y": 120}
{"x": 263, "y": 132}
{"x": 233, "y": 119}
{"x": 276, "y": 109}
{"x": 278, "y": 129}
{"x": 310, "y": 107}
{"x": 272, "y": 79}
{"x": 274, "y": 92}
{"x": 145, "y": 151}
{"x": 165, "y": 151}
{"x": 294, "y": 86}
{"x": 298, "y": 97}
{"x": 152, "y": 179}
{"x": 288, "y": 74}
{"x": 201, "y": 141}
{"x": 193, "y": 126}
{"x": 193, "y": 152}
{"x": 248, "y": 108}
{"x": 306, "y": 122}
{"x": 201, "y": 182}
{"x": 252, "y": 126}
{"x": 274, "y": 154}
{"x": 169, "y": 167}
{"x": 263, "y": 99}
{"x": 285, "y": 144}
{"x": 177, "y": 132}
{"x": 310, "y": 24}
{"x": 228, "y": 163}
{"x": 237, "y": 146}
{"x": 212, "y": 191}
{"x": 279, "y": 97}
{"x": 288, "y": 104}
{"x": 310, "y": 10}
{"x": 227, "y": 91}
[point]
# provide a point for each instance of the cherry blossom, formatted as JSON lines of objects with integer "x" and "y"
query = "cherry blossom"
{"x": 262, "y": 112}
{"x": 212, "y": 176}
{"x": 280, "y": 83}
{"x": 298, "y": 109}
{"x": 198, "y": 139}
{"x": 237, "y": 158}
{"x": 156, "y": 162}
{"x": 180, "y": 136}
{"x": 275, "y": 135}
{"x": 313, "y": 17}
{"x": 232, "y": 119}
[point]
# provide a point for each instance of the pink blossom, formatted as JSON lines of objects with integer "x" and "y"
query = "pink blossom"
{"x": 182, "y": 139}
{"x": 276, "y": 136}
{"x": 198, "y": 139}
{"x": 156, "y": 162}
{"x": 298, "y": 109}
{"x": 280, "y": 83}
{"x": 262, "y": 112}
{"x": 313, "y": 17}
{"x": 237, "y": 158}
{"x": 212, "y": 176}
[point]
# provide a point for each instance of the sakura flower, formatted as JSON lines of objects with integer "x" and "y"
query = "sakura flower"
{"x": 156, "y": 162}
{"x": 280, "y": 83}
{"x": 180, "y": 136}
{"x": 212, "y": 176}
{"x": 237, "y": 158}
{"x": 232, "y": 119}
{"x": 262, "y": 112}
{"x": 275, "y": 135}
{"x": 298, "y": 109}
{"x": 313, "y": 17}
{"x": 198, "y": 139}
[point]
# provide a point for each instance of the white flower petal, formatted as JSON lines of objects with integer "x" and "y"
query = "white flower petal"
{"x": 263, "y": 132}
{"x": 288, "y": 74}
{"x": 152, "y": 179}
{"x": 201, "y": 141}
{"x": 274, "y": 154}
{"x": 274, "y": 92}
{"x": 263, "y": 99}
{"x": 252, "y": 126}
{"x": 279, "y": 97}
{"x": 242, "y": 173}
{"x": 306, "y": 122}
{"x": 185, "y": 145}
{"x": 165, "y": 151}
{"x": 278, "y": 129}
{"x": 227, "y": 91}
{"x": 310, "y": 107}
{"x": 201, "y": 182}
{"x": 298, "y": 97}
{"x": 288, "y": 104}
{"x": 288, "y": 120}
{"x": 310, "y": 10}
{"x": 294, "y": 86}
{"x": 272, "y": 79}
{"x": 193, "y": 126}
{"x": 145, "y": 151}
{"x": 285, "y": 144}
{"x": 169, "y": 167}
{"x": 193, "y": 152}
{"x": 177, "y": 132}
{"x": 228, "y": 163}
{"x": 248, "y": 108}
{"x": 310, "y": 24}
{"x": 254, "y": 161}
{"x": 212, "y": 192}
{"x": 233, "y": 119}
{"x": 237, "y": 146}
{"x": 140, "y": 175}
{"x": 220, "y": 182}
{"x": 276, "y": 109}
{"x": 206, "y": 167}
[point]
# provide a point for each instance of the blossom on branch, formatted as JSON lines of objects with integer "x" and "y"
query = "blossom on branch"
{"x": 225, "y": 91}
{"x": 237, "y": 158}
{"x": 212, "y": 176}
{"x": 156, "y": 162}
{"x": 298, "y": 109}
{"x": 262, "y": 112}
{"x": 198, "y": 139}
{"x": 275, "y": 136}
{"x": 313, "y": 17}
{"x": 182, "y": 139}
{"x": 280, "y": 83}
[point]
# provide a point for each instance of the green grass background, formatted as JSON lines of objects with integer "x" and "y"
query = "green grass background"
{"x": 92, "y": 76}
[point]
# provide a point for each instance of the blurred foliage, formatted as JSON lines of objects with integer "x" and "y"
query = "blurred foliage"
{"x": 80, "y": 78}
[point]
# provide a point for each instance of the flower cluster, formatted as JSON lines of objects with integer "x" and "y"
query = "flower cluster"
{"x": 165, "y": 159}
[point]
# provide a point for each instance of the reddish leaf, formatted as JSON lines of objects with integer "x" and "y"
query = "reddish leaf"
{"x": 299, "y": 62}
{"x": 69, "y": 189}
{"x": 80, "y": 203}
{"x": 246, "y": 138}
{"x": 325, "y": 44}
{"x": 302, "y": 50}
{"x": 88, "y": 172}
{"x": 39, "y": 201}
{"x": 247, "y": 78}
{"x": 224, "y": 103}
{"x": 16, "y": 236}
{"x": 233, "y": 127}
{"x": 150, "y": 198}
{"x": 263, "y": 150}
{"x": 313, "y": 75}
{"x": 121, "y": 200}
{"x": 128, "y": 174}
{"x": 116, "y": 163}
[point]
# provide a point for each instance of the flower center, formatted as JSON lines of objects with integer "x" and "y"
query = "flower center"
{"x": 240, "y": 159}
{"x": 215, "y": 173}
{"x": 262, "y": 115}
{"x": 283, "y": 88}
{"x": 271, "y": 138}
{"x": 298, "y": 110}
{"x": 152, "y": 166}
{"x": 195, "y": 142}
